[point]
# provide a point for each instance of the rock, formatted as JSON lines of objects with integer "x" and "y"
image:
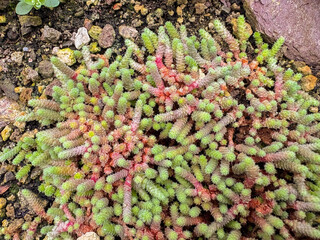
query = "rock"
{"x": 297, "y": 21}
{"x": 30, "y": 21}
{"x": 25, "y": 94}
{"x": 150, "y": 18}
{"x": 27, "y": 22}
{"x": 144, "y": 11}
{"x": 179, "y": 11}
{"x": 107, "y": 36}
{"x": 79, "y": 12}
{"x": 89, "y": 236}
{"x": 87, "y": 23}
{"x": 3, "y": 202}
{"x": 136, "y": 22}
{"x": 3, "y": 19}
{"x": 45, "y": 69}
{"x": 36, "y": 172}
{"x": 6, "y": 132}
{"x": 170, "y": 2}
{"x": 9, "y": 176}
{"x": 15, "y": 224}
{"x": 94, "y": 48}
{"x": 95, "y": 32}
{"x": 28, "y": 74}
{"x": 305, "y": 70}
{"x": 66, "y": 56}
{"x": 127, "y": 32}
{"x": 235, "y": 7}
{"x": 17, "y": 57}
{"x": 82, "y": 38}
{"x": 158, "y": 12}
{"x": 9, "y": 110}
{"x": 9, "y": 89}
{"x": 308, "y": 82}
{"x": 200, "y": 8}
{"x": 49, "y": 87}
{"x": 13, "y": 33}
{"x": 137, "y": 7}
{"x": 50, "y": 34}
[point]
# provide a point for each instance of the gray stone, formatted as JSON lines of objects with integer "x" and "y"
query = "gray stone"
{"x": 107, "y": 36}
{"x": 297, "y": 21}
{"x": 8, "y": 88}
{"x": 82, "y": 38}
{"x": 45, "y": 69}
{"x": 9, "y": 176}
{"x": 50, "y": 34}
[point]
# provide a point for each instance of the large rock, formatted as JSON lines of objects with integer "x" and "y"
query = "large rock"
{"x": 297, "y": 21}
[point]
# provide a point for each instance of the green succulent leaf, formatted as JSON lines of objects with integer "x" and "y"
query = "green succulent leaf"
{"x": 23, "y": 8}
{"x": 51, "y": 3}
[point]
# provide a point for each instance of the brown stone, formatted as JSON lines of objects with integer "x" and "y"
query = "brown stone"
{"x": 297, "y": 21}
{"x": 28, "y": 74}
{"x": 10, "y": 211}
{"x": 309, "y": 82}
{"x": 127, "y": 32}
{"x": 9, "y": 110}
{"x": 200, "y": 8}
{"x": 107, "y": 36}
{"x": 305, "y": 70}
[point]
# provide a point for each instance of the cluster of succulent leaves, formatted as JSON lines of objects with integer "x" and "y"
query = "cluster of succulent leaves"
{"x": 197, "y": 140}
{"x": 25, "y": 6}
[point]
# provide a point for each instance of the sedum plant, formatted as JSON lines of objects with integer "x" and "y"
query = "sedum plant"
{"x": 184, "y": 138}
{"x": 25, "y": 6}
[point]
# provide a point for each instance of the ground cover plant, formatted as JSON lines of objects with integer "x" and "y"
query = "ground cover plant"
{"x": 25, "y": 6}
{"x": 184, "y": 138}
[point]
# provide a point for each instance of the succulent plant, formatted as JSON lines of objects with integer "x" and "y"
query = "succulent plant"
{"x": 25, "y": 6}
{"x": 201, "y": 139}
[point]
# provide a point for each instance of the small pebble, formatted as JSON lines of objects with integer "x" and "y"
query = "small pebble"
{"x": 309, "y": 82}
{"x": 89, "y": 236}
{"x": 107, "y": 36}
{"x": 10, "y": 211}
{"x": 95, "y": 32}
{"x": 81, "y": 38}
{"x": 17, "y": 57}
{"x": 3, "y": 202}
{"x": 127, "y": 31}
{"x": 6, "y": 132}
{"x": 144, "y": 11}
{"x": 66, "y": 56}
{"x": 50, "y": 34}
{"x": 200, "y": 8}
{"x": 45, "y": 69}
{"x": 3, "y": 19}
